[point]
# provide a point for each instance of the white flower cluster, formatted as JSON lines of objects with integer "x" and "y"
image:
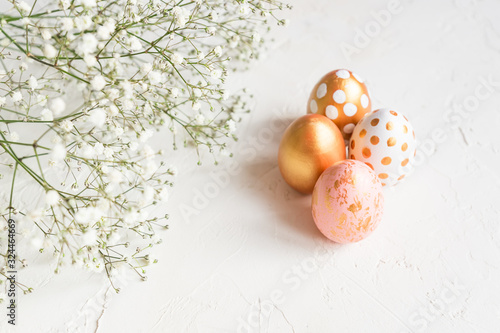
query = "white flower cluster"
{"x": 86, "y": 84}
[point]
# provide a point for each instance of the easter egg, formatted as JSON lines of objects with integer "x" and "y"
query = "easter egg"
{"x": 347, "y": 202}
{"x": 309, "y": 146}
{"x": 341, "y": 96}
{"x": 385, "y": 141}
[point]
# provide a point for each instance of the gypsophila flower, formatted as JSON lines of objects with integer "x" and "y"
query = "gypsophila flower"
{"x": 231, "y": 125}
{"x": 67, "y": 23}
{"x": 103, "y": 78}
{"x": 66, "y": 125}
{"x": 58, "y": 153}
{"x": 218, "y": 51}
{"x": 46, "y": 35}
{"x": 177, "y": 59}
{"x": 98, "y": 82}
{"x": 87, "y": 44}
{"x": 90, "y": 60}
{"x": 211, "y": 30}
{"x": 17, "y": 96}
{"x": 14, "y": 137}
{"x": 97, "y": 117}
{"x": 23, "y": 7}
{"x": 181, "y": 16}
{"x": 196, "y": 106}
{"x": 46, "y": 115}
{"x": 89, "y": 3}
{"x": 51, "y": 197}
{"x": 57, "y": 106}
{"x": 49, "y": 51}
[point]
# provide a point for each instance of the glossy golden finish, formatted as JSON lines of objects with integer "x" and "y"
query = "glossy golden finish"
{"x": 343, "y": 97}
{"x": 310, "y": 145}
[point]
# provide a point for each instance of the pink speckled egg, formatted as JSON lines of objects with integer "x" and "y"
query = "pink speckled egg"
{"x": 347, "y": 201}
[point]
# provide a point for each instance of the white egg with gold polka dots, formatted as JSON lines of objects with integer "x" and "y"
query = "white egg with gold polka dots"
{"x": 385, "y": 140}
{"x": 343, "y": 97}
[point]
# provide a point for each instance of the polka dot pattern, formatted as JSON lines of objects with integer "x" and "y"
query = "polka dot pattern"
{"x": 343, "y": 74}
{"x": 322, "y": 89}
{"x": 364, "y": 101}
{"x": 349, "y": 128}
{"x": 341, "y": 96}
{"x": 332, "y": 112}
{"x": 384, "y": 140}
{"x": 314, "y": 106}
{"x": 350, "y": 109}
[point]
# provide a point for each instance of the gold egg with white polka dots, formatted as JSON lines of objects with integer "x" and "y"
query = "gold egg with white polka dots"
{"x": 343, "y": 97}
{"x": 385, "y": 141}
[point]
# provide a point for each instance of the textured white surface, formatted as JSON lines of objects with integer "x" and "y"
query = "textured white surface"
{"x": 250, "y": 258}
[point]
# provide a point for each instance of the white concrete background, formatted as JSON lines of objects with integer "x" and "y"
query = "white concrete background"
{"x": 252, "y": 259}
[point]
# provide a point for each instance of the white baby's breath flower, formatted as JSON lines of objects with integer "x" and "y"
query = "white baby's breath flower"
{"x": 211, "y": 30}
{"x": 256, "y": 37}
{"x": 23, "y": 7}
{"x": 32, "y": 82}
{"x": 196, "y": 106}
{"x": 200, "y": 55}
{"x": 98, "y": 82}
{"x": 218, "y": 51}
{"x": 199, "y": 119}
{"x": 67, "y": 23}
{"x": 231, "y": 125}
{"x": 17, "y": 96}
{"x": 174, "y": 92}
{"x": 225, "y": 95}
{"x": 57, "y": 106}
{"x": 244, "y": 9}
{"x": 64, "y": 4}
{"x": 163, "y": 194}
{"x": 83, "y": 22}
{"x": 49, "y": 51}
{"x": 155, "y": 77}
{"x": 135, "y": 44}
{"x": 214, "y": 16}
{"x": 90, "y": 60}
{"x": 14, "y": 136}
{"x": 89, "y": 3}
{"x": 98, "y": 148}
{"x": 216, "y": 74}
{"x": 66, "y": 125}
{"x": 147, "y": 152}
{"x": 97, "y": 117}
{"x": 108, "y": 152}
{"x": 103, "y": 32}
{"x": 177, "y": 58}
{"x": 87, "y": 44}
{"x": 52, "y": 198}
{"x": 41, "y": 100}
{"x": 3, "y": 100}
{"x": 46, "y": 34}
{"x": 146, "y": 68}
{"x": 115, "y": 176}
{"x": 146, "y": 135}
{"x": 89, "y": 237}
{"x": 58, "y": 153}
{"x": 46, "y": 115}
{"x": 181, "y": 16}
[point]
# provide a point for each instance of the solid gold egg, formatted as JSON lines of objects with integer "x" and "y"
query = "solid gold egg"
{"x": 310, "y": 145}
{"x": 341, "y": 96}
